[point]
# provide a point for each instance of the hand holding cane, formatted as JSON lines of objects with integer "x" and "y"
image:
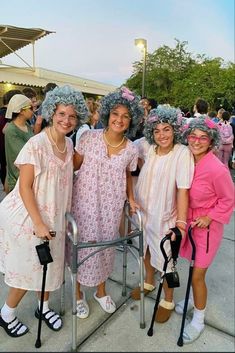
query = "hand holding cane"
{"x": 172, "y": 279}
{"x": 180, "y": 341}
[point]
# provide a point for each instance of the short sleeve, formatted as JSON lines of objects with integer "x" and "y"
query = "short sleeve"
{"x": 185, "y": 169}
{"x": 134, "y": 159}
{"x": 83, "y": 143}
{"x": 30, "y": 154}
{"x": 80, "y": 131}
{"x": 143, "y": 147}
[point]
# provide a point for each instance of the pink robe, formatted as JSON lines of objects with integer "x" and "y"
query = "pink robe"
{"x": 211, "y": 194}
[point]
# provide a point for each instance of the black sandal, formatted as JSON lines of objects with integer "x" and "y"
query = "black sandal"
{"x": 47, "y": 318}
{"x": 13, "y": 331}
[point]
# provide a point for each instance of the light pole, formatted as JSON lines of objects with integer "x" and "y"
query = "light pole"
{"x": 142, "y": 44}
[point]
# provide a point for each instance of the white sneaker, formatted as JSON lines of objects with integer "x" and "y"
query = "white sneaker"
{"x": 82, "y": 307}
{"x": 179, "y": 307}
{"x": 106, "y": 303}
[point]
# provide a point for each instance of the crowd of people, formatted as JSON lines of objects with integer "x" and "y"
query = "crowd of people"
{"x": 87, "y": 157}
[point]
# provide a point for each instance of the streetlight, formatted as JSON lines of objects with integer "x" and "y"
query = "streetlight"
{"x": 142, "y": 44}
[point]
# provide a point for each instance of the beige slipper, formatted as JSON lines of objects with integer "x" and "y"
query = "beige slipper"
{"x": 164, "y": 311}
{"x": 135, "y": 293}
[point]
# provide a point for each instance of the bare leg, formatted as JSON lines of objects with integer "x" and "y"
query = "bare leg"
{"x": 14, "y": 296}
{"x": 168, "y": 292}
{"x": 199, "y": 287}
{"x": 79, "y": 293}
{"x": 101, "y": 292}
{"x": 149, "y": 269}
{"x": 46, "y": 296}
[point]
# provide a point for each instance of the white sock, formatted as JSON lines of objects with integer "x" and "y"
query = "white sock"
{"x": 45, "y": 307}
{"x": 191, "y": 296}
{"x": 7, "y": 313}
{"x": 198, "y": 319}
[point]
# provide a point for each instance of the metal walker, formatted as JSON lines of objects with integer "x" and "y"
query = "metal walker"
{"x": 121, "y": 241}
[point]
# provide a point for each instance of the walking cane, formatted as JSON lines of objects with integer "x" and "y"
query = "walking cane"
{"x": 180, "y": 341}
{"x": 167, "y": 237}
{"x": 172, "y": 278}
{"x": 45, "y": 258}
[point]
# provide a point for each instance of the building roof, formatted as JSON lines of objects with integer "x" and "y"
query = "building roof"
{"x": 40, "y": 77}
{"x": 14, "y": 38}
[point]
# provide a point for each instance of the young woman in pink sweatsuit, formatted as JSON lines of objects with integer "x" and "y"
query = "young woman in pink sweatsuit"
{"x": 211, "y": 204}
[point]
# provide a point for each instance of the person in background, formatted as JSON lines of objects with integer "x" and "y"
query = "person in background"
{"x": 3, "y": 122}
{"x": 219, "y": 115}
{"x": 32, "y": 95}
{"x": 226, "y": 131}
{"x": 200, "y": 108}
{"x": 35, "y": 206}
{"x": 40, "y": 122}
{"x": 93, "y": 119}
{"x": 17, "y": 133}
{"x": 104, "y": 160}
{"x": 211, "y": 204}
{"x": 162, "y": 193}
{"x": 212, "y": 115}
{"x": 232, "y": 122}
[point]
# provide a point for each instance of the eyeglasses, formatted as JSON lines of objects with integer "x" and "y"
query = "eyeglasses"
{"x": 28, "y": 107}
{"x": 124, "y": 117}
{"x": 62, "y": 115}
{"x": 201, "y": 139}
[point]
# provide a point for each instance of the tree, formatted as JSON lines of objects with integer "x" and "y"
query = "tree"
{"x": 177, "y": 77}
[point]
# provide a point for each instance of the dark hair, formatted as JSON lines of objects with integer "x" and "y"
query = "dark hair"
{"x": 201, "y": 106}
{"x": 212, "y": 114}
{"x": 49, "y": 86}
{"x": 153, "y": 103}
{"x": 29, "y": 92}
{"x": 225, "y": 116}
{"x": 8, "y": 95}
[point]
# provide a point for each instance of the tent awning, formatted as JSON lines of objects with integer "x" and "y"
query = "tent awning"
{"x": 14, "y": 38}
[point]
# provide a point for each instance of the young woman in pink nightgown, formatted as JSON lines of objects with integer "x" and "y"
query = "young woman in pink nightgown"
{"x": 211, "y": 204}
{"x": 35, "y": 206}
{"x": 105, "y": 159}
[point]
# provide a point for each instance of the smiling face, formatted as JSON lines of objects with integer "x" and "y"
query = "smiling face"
{"x": 199, "y": 143}
{"x": 64, "y": 119}
{"x": 163, "y": 135}
{"x": 119, "y": 119}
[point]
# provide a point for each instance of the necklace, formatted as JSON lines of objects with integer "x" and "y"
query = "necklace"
{"x": 159, "y": 153}
{"x": 116, "y": 146}
{"x": 54, "y": 143}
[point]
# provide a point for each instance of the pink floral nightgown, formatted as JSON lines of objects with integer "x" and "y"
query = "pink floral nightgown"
{"x": 99, "y": 193}
{"x": 53, "y": 188}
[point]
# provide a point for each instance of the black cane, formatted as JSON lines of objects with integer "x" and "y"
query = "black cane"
{"x": 167, "y": 237}
{"x": 38, "y": 341}
{"x": 44, "y": 255}
{"x": 180, "y": 341}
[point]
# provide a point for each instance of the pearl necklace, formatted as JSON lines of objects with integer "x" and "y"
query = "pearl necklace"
{"x": 54, "y": 143}
{"x": 109, "y": 144}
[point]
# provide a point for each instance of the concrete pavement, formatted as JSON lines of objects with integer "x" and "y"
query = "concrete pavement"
{"x": 120, "y": 331}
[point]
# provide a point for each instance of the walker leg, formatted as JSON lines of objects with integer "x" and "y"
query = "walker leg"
{"x": 62, "y": 295}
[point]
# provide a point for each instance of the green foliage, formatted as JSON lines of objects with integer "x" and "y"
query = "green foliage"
{"x": 175, "y": 76}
